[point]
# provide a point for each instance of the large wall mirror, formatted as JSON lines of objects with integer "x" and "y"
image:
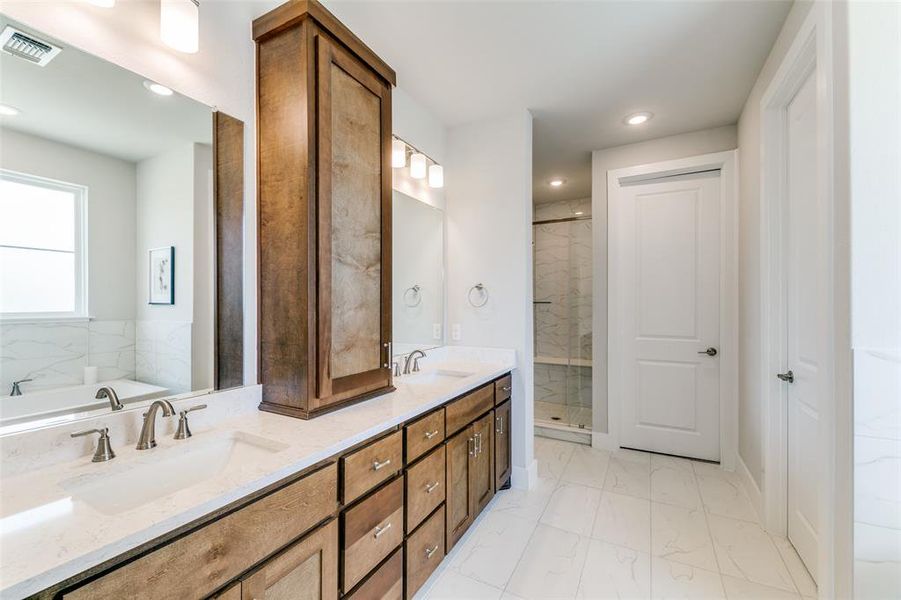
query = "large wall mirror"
{"x": 418, "y": 274}
{"x": 120, "y": 236}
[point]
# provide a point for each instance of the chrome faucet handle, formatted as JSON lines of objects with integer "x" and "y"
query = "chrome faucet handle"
{"x": 396, "y": 366}
{"x": 416, "y": 364}
{"x": 184, "y": 431}
{"x": 104, "y": 450}
{"x": 16, "y": 391}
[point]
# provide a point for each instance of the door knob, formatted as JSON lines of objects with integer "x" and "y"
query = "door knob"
{"x": 709, "y": 351}
{"x": 789, "y": 376}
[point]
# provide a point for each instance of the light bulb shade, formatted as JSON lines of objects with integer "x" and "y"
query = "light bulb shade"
{"x": 398, "y": 154}
{"x": 180, "y": 24}
{"x": 436, "y": 176}
{"x": 417, "y": 166}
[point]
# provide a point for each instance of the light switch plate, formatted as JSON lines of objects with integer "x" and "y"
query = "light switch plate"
{"x": 436, "y": 331}
{"x": 455, "y": 332}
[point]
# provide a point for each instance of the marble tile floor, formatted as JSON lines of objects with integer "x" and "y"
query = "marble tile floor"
{"x": 620, "y": 524}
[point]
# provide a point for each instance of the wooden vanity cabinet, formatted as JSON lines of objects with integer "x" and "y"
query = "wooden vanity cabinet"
{"x": 324, "y": 203}
{"x": 470, "y": 476}
{"x": 482, "y": 471}
{"x": 503, "y": 467}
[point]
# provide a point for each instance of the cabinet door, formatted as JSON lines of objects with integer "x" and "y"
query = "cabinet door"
{"x": 502, "y": 449}
{"x": 308, "y": 570}
{"x": 482, "y": 471}
{"x": 460, "y": 454}
{"x": 354, "y": 227}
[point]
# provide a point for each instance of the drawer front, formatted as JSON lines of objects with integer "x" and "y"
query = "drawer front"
{"x": 200, "y": 562}
{"x": 387, "y": 583}
{"x": 465, "y": 410}
{"x": 372, "y": 530}
{"x": 367, "y": 467}
{"x": 425, "y": 551}
{"x": 503, "y": 388}
{"x": 425, "y": 487}
{"x": 424, "y": 434}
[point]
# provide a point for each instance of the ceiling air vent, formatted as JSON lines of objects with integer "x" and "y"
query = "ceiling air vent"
{"x": 27, "y": 47}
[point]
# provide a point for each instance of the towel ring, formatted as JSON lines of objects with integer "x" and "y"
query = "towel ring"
{"x": 483, "y": 291}
{"x": 416, "y": 297}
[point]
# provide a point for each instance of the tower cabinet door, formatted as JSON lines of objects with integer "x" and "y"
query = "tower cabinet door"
{"x": 460, "y": 455}
{"x": 502, "y": 449}
{"x": 482, "y": 471}
{"x": 354, "y": 227}
{"x": 308, "y": 570}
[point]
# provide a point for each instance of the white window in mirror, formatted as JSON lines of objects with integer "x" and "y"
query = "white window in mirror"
{"x": 43, "y": 267}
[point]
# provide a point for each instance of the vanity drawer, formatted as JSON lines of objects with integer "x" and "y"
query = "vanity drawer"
{"x": 503, "y": 388}
{"x": 424, "y": 434}
{"x": 465, "y": 410}
{"x": 425, "y": 551}
{"x": 367, "y": 467}
{"x": 425, "y": 487}
{"x": 372, "y": 530}
{"x": 196, "y": 564}
{"x": 386, "y": 583}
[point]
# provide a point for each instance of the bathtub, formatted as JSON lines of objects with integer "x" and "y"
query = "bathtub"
{"x": 41, "y": 404}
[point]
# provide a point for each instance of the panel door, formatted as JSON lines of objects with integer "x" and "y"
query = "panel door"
{"x": 308, "y": 570}
{"x": 806, "y": 322}
{"x": 664, "y": 316}
{"x": 460, "y": 452}
{"x": 482, "y": 471}
{"x": 502, "y": 447}
{"x": 354, "y": 227}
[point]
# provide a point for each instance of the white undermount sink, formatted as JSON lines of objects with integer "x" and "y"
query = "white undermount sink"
{"x": 435, "y": 377}
{"x": 162, "y": 471}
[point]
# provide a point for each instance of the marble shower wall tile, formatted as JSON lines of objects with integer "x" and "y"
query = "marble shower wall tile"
{"x": 53, "y": 354}
{"x": 163, "y": 354}
{"x": 111, "y": 348}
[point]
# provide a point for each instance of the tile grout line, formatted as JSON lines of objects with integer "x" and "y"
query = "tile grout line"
{"x": 716, "y": 557}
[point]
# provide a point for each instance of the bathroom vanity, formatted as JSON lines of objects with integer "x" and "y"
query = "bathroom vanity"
{"x": 362, "y": 503}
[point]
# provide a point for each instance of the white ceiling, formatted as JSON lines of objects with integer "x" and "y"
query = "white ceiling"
{"x": 84, "y": 101}
{"x": 580, "y": 67}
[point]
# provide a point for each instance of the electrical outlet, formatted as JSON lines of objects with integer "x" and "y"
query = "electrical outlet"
{"x": 436, "y": 331}
{"x": 455, "y": 332}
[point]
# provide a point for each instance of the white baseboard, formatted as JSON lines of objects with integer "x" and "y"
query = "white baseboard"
{"x": 752, "y": 490}
{"x": 524, "y": 478}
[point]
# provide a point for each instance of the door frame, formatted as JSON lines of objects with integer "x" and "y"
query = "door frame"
{"x": 727, "y": 163}
{"x": 811, "y": 49}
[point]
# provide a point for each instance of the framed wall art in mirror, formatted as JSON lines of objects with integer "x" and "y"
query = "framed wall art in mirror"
{"x": 106, "y": 178}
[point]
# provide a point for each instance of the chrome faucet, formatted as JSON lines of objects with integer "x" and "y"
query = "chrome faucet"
{"x": 16, "y": 391}
{"x": 108, "y": 392}
{"x": 147, "y": 439}
{"x": 410, "y": 358}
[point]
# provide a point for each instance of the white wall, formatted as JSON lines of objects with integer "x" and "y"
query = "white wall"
{"x": 202, "y": 332}
{"x": 489, "y": 241}
{"x": 751, "y": 410}
{"x": 667, "y": 148}
{"x": 111, "y": 213}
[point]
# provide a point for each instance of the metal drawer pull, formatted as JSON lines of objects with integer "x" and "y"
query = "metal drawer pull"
{"x": 471, "y": 444}
{"x": 478, "y": 443}
{"x": 430, "y": 434}
{"x": 431, "y": 488}
{"x": 507, "y": 388}
{"x": 380, "y": 529}
{"x": 430, "y": 552}
{"x": 376, "y": 465}
{"x": 500, "y": 425}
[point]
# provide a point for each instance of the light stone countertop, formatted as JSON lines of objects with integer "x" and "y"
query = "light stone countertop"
{"x": 47, "y": 535}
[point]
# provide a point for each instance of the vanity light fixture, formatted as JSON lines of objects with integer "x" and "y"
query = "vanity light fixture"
{"x": 398, "y": 154}
{"x": 556, "y": 182}
{"x": 158, "y": 89}
{"x": 417, "y": 165}
{"x": 579, "y": 213}
{"x": 180, "y": 24}
{"x": 638, "y": 118}
{"x": 8, "y": 111}
{"x": 436, "y": 176}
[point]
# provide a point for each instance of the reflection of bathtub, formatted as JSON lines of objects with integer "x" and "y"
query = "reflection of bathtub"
{"x": 70, "y": 399}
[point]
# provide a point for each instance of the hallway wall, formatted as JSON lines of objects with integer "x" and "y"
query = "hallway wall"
{"x": 672, "y": 147}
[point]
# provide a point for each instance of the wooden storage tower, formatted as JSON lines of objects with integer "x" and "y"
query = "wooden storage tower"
{"x": 324, "y": 195}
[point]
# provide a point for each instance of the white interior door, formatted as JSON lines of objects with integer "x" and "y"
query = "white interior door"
{"x": 665, "y": 276}
{"x": 805, "y": 320}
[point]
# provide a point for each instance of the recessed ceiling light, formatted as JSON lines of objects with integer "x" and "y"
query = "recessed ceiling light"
{"x": 158, "y": 89}
{"x": 556, "y": 182}
{"x": 8, "y": 111}
{"x": 638, "y": 118}
{"x": 578, "y": 213}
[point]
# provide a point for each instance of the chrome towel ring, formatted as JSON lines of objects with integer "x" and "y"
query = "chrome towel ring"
{"x": 483, "y": 294}
{"x": 412, "y": 296}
